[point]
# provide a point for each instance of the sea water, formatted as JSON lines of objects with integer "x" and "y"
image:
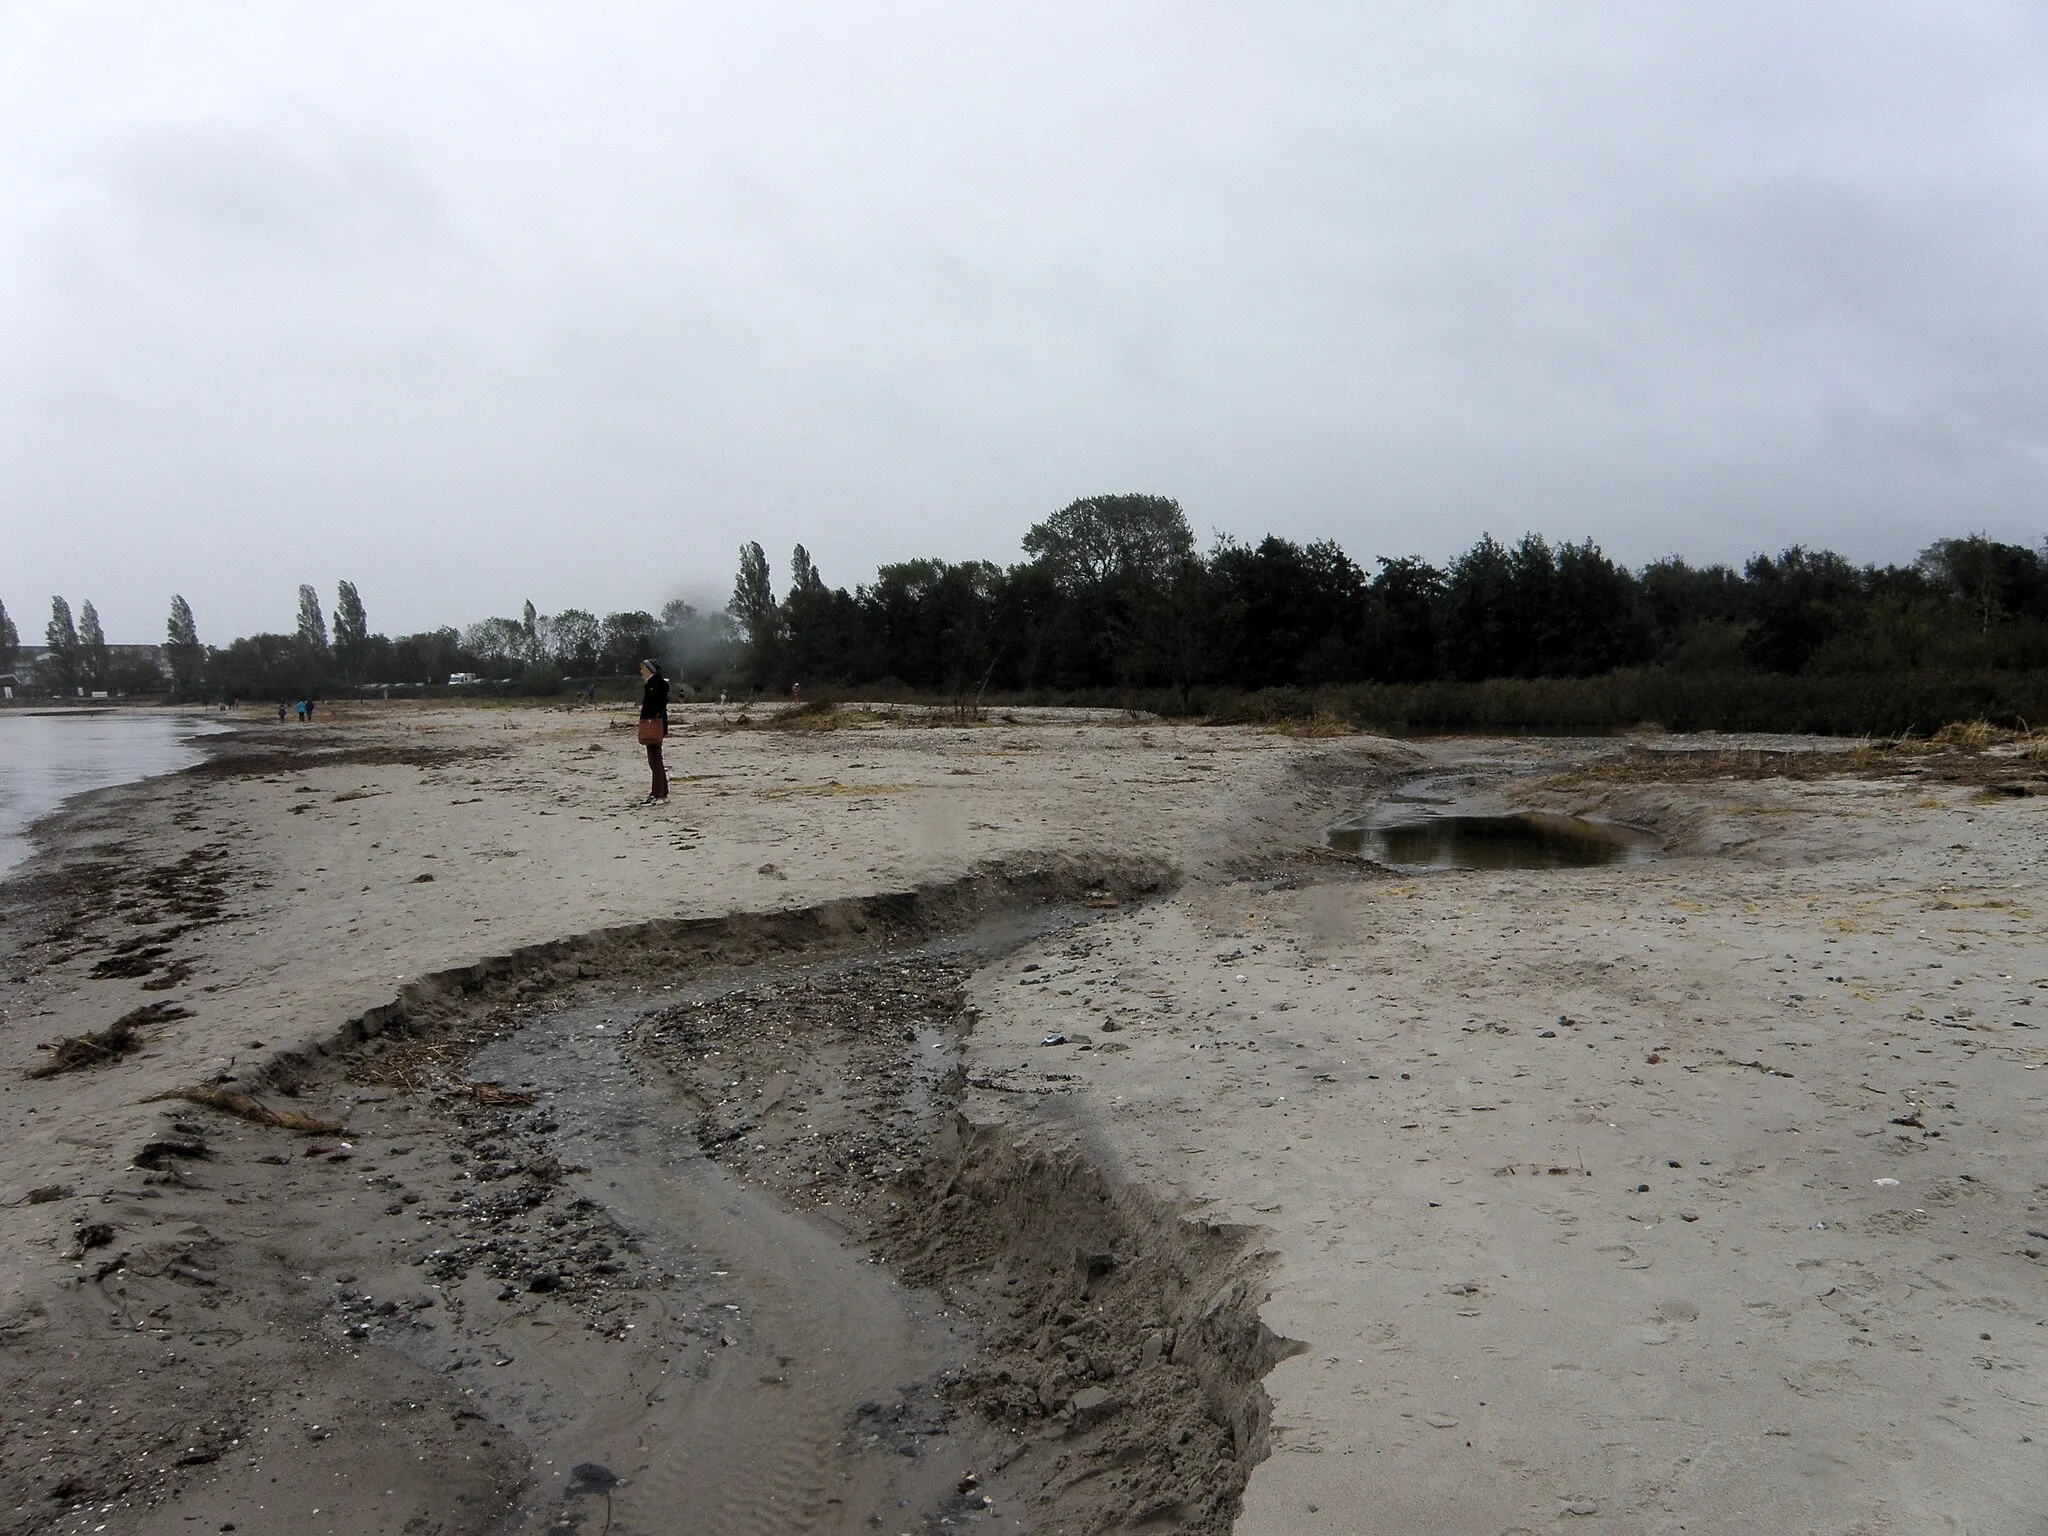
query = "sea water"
{"x": 47, "y": 756}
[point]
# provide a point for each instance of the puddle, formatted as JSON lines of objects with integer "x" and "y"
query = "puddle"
{"x": 1518, "y": 840}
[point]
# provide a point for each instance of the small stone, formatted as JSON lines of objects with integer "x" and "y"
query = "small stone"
{"x": 1579, "y": 1507}
{"x": 1439, "y": 1421}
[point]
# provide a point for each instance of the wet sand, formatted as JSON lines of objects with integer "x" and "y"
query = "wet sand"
{"x": 1489, "y": 1201}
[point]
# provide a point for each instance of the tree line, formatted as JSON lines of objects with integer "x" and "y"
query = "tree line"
{"x": 537, "y": 653}
{"x": 1114, "y": 595}
{"x": 1114, "y": 598}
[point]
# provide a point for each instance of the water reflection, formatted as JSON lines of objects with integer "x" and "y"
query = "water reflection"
{"x": 1520, "y": 840}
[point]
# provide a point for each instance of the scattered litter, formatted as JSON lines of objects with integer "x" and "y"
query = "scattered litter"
{"x": 1886, "y": 1183}
{"x": 1054, "y": 1040}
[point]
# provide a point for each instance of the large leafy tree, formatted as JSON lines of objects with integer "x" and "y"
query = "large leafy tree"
{"x": 577, "y": 640}
{"x": 1797, "y": 603}
{"x": 1108, "y": 558}
{"x": 1299, "y": 612}
{"x": 1595, "y": 618}
{"x": 1475, "y": 617}
{"x": 1991, "y": 581}
{"x": 496, "y": 646}
{"x": 10, "y": 641}
{"x": 626, "y": 639}
{"x": 1100, "y": 541}
{"x": 1401, "y": 636}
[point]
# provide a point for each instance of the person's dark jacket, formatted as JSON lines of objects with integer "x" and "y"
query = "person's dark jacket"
{"x": 654, "y": 700}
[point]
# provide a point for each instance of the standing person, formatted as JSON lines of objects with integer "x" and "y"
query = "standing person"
{"x": 654, "y": 724}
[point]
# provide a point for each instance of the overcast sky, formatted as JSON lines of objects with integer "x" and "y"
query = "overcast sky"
{"x": 473, "y": 303}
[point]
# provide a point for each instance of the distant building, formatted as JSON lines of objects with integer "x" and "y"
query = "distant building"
{"x": 28, "y": 661}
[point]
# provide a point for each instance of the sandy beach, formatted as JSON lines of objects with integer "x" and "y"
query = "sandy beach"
{"x": 1030, "y": 1125}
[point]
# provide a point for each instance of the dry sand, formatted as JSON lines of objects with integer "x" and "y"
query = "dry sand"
{"x": 1699, "y": 1195}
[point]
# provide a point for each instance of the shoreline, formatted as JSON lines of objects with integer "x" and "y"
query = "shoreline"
{"x": 190, "y": 1159}
{"x": 1291, "y": 1052}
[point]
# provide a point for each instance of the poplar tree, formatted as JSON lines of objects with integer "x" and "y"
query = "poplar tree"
{"x": 92, "y": 643}
{"x": 10, "y": 641}
{"x": 351, "y": 630}
{"x": 753, "y": 604}
{"x": 181, "y": 644}
{"x": 60, "y": 639}
{"x": 312, "y": 622}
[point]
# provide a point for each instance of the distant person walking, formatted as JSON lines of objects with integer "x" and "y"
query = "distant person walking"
{"x": 654, "y": 724}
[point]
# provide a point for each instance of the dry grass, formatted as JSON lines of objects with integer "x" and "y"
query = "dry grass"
{"x": 1310, "y": 728}
{"x": 242, "y": 1107}
{"x": 422, "y": 1067}
{"x": 1966, "y": 752}
{"x": 429, "y": 1067}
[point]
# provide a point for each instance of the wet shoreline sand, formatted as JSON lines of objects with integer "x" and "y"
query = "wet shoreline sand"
{"x": 1343, "y": 1272}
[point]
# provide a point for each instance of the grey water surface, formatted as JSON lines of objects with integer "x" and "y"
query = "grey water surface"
{"x": 1516, "y": 840}
{"x": 47, "y": 756}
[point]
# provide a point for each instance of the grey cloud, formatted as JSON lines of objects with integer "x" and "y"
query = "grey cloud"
{"x": 523, "y": 306}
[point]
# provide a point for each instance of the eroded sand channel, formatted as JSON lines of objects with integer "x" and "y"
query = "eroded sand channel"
{"x": 821, "y": 1299}
{"x": 799, "y": 1377}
